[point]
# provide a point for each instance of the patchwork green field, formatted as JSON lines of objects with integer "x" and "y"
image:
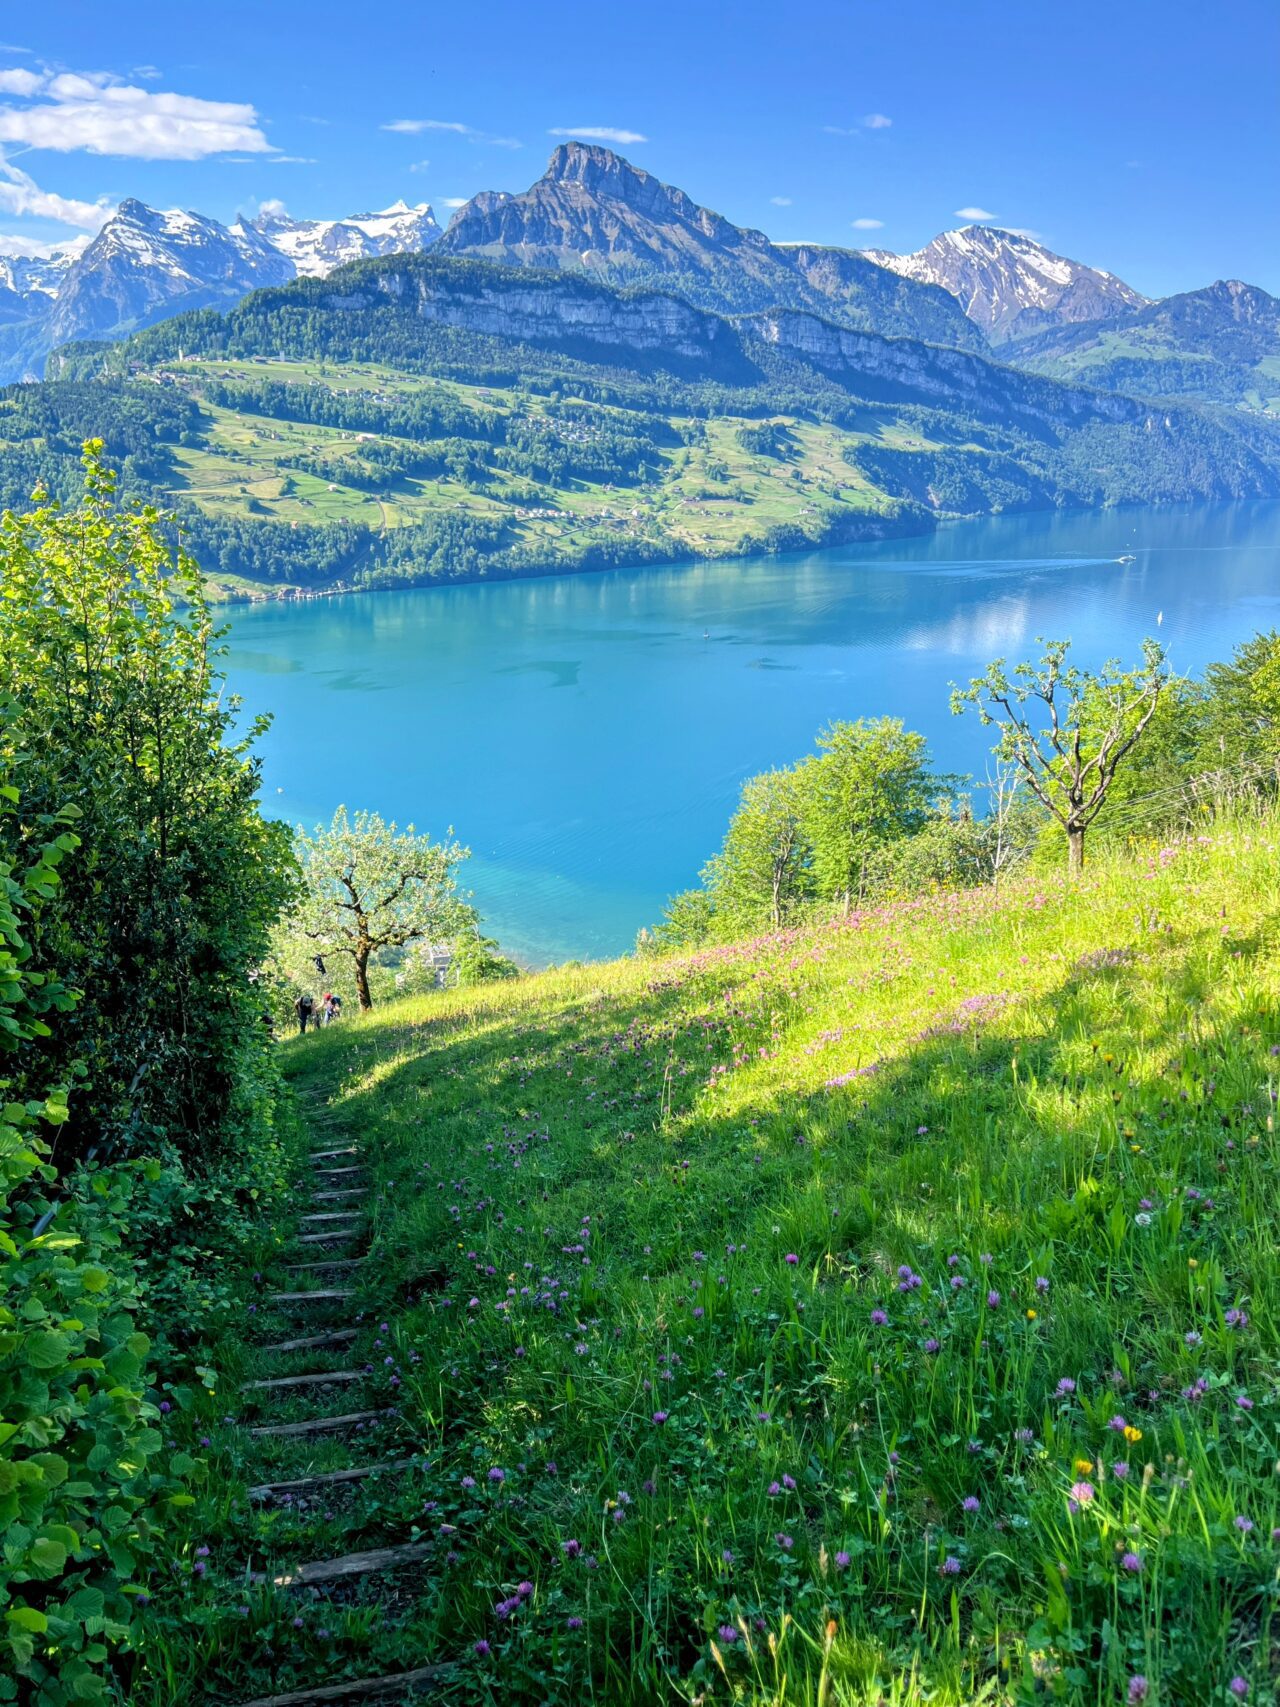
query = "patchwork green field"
{"x": 704, "y": 493}
{"x": 882, "y": 1312}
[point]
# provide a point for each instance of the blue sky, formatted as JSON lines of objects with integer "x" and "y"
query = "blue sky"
{"x": 1139, "y": 135}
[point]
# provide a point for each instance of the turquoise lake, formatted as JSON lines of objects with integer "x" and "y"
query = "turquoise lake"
{"x": 586, "y": 735}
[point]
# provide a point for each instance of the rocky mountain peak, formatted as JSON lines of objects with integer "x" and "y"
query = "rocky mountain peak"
{"x": 1009, "y": 283}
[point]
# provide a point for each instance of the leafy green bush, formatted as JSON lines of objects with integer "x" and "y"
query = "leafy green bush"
{"x": 75, "y": 1440}
{"x": 110, "y": 659}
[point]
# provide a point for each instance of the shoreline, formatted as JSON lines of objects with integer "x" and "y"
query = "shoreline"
{"x": 871, "y": 532}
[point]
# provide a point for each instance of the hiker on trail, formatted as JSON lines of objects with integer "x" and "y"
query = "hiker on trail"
{"x": 304, "y": 1008}
{"x": 335, "y": 1007}
{"x": 326, "y": 1007}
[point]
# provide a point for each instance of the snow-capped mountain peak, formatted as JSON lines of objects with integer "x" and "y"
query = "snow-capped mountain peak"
{"x": 147, "y": 263}
{"x": 39, "y": 276}
{"x": 1010, "y": 284}
{"x": 317, "y": 246}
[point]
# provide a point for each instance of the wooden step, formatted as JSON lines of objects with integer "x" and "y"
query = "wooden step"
{"x": 317, "y": 1425}
{"x": 320, "y": 1297}
{"x": 363, "y": 1689}
{"x": 335, "y": 1196}
{"x": 335, "y": 1233}
{"x": 312, "y": 1342}
{"x": 356, "y": 1169}
{"x": 331, "y": 1215}
{"x": 349, "y": 1565}
{"x": 331, "y": 1262}
{"x": 268, "y": 1490}
{"x": 324, "y": 1155}
{"x": 318, "y": 1380}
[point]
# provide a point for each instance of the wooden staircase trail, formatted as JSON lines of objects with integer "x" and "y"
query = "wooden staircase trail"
{"x": 337, "y": 1179}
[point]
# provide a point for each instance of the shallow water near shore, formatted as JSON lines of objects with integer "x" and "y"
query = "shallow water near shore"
{"x": 586, "y": 735}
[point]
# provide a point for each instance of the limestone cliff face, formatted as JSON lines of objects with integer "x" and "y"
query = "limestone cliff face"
{"x": 948, "y": 378}
{"x": 583, "y": 317}
{"x": 534, "y": 309}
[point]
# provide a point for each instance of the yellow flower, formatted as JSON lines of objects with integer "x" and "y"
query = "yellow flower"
{"x": 1084, "y": 1465}
{"x": 1132, "y": 1434}
{"x": 1031, "y": 1315}
{"x": 1192, "y": 1263}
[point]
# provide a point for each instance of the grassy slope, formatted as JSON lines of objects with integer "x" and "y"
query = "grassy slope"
{"x": 1093, "y": 362}
{"x": 682, "y": 1189}
{"x": 240, "y": 461}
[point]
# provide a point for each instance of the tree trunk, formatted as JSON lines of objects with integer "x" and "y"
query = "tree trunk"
{"x": 362, "y": 980}
{"x": 1075, "y": 849}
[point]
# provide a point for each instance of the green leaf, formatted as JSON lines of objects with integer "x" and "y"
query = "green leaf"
{"x": 27, "y": 1618}
{"x": 84, "y": 1604}
{"x": 47, "y": 1351}
{"x": 47, "y": 1556}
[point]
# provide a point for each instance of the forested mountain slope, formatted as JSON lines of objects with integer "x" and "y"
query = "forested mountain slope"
{"x": 417, "y": 417}
{"x": 1221, "y": 344}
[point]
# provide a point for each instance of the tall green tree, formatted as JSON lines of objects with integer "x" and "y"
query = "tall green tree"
{"x": 110, "y": 660}
{"x": 869, "y": 784}
{"x": 1241, "y": 727}
{"x": 369, "y": 887}
{"x": 762, "y": 871}
{"x": 1067, "y": 730}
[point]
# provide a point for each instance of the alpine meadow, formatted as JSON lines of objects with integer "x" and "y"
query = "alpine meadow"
{"x": 639, "y": 858}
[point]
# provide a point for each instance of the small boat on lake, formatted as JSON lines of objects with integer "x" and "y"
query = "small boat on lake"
{"x": 1126, "y": 557}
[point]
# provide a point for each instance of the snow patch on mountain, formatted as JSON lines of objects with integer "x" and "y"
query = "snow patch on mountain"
{"x": 1009, "y": 284}
{"x": 317, "y": 246}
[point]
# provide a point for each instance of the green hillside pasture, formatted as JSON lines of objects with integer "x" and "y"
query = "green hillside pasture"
{"x": 884, "y": 1312}
{"x": 709, "y": 499}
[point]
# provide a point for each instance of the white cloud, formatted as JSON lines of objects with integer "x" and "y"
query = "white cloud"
{"x": 21, "y": 195}
{"x": 148, "y": 73}
{"x": 419, "y": 165}
{"x": 598, "y": 133}
{"x": 14, "y": 80}
{"x": 838, "y": 130}
{"x": 780, "y": 201}
{"x": 868, "y": 224}
{"x": 979, "y": 213}
{"x": 876, "y": 121}
{"x": 94, "y": 112}
{"x": 455, "y": 201}
{"x": 415, "y": 127}
{"x": 11, "y": 245}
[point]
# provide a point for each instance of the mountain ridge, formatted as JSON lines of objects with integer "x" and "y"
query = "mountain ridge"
{"x": 147, "y": 263}
{"x": 1218, "y": 344}
{"x": 594, "y": 211}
